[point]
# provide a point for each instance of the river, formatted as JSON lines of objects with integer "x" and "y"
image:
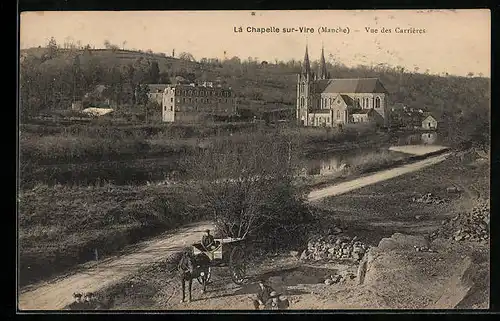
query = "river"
{"x": 334, "y": 162}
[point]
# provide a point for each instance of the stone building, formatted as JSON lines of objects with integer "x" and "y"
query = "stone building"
{"x": 429, "y": 123}
{"x": 329, "y": 102}
{"x": 191, "y": 102}
{"x": 155, "y": 93}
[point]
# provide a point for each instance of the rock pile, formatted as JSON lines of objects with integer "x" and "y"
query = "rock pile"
{"x": 428, "y": 199}
{"x": 334, "y": 247}
{"x": 337, "y": 278}
{"x": 472, "y": 226}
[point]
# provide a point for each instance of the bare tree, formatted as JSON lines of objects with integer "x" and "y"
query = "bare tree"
{"x": 186, "y": 56}
{"x": 247, "y": 185}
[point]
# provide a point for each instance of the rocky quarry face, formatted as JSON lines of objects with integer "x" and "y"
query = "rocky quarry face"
{"x": 471, "y": 226}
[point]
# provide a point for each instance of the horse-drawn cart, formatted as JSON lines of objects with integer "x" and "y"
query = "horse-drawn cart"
{"x": 225, "y": 252}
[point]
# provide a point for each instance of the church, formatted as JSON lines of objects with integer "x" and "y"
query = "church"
{"x": 328, "y": 102}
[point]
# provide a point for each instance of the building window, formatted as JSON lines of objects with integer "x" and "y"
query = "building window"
{"x": 189, "y": 93}
{"x": 302, "y": 100}
{"x": 338, "y": 114}
{"x": 377, "y": 102}
{"x": 171, "y": 108}
{"x": 164, "y": 108}
{"x": 172, "y": 99}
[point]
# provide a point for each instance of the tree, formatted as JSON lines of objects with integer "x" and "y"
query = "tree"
{"x": 53, "y": 48}
{"x": 164, "y": 78}
{"x": 186, "y": 56}
{"x": 247, "y": 186}
{"x": 142, "y": 92}
{"x": 154, "y": 72}
{"x": 77, "y": 74}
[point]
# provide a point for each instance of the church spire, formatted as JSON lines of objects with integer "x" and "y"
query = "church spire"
{"x": 306, "y": 66}
{"x": 322, "y": 72}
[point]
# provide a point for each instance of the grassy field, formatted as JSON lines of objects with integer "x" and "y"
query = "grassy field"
{"x": 61, "y": 226}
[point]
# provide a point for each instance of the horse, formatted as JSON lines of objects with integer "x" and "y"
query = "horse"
{"x": 193, "y": 267}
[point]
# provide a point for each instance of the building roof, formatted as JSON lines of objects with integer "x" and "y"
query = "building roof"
{"x": 97, "y": 111}
{"x": 153, "y": 88}
{"x": 362, "y": 112}
{"x": 355, "y": 85}
{"x": 425, "y": 116}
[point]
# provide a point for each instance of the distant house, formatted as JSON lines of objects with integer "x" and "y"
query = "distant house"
{"x": 429, "y": 123}
{"x": 156, "y": 92}
{"x": 367, "y": 116}
{"x": 93, "y": 111}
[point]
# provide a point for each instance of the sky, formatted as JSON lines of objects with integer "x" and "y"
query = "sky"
{"x": 455, "y": 41}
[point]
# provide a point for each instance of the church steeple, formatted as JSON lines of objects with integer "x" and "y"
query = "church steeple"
{"x": 306, "y": 66}
{"x": 322, "y": 72}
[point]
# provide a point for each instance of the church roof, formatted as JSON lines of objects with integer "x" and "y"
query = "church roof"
{"x": 348, "y": 100}
{"x": 357, "y": 85}
{"x": 362, "y": 112}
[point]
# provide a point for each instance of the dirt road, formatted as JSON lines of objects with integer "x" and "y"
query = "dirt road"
{"x": 56, "y": 294}
{"x": 372, "y": 179}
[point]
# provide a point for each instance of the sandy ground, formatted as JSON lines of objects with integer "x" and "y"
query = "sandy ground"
{"x": 56, "y": 294}
{"x": 374, "y": 178}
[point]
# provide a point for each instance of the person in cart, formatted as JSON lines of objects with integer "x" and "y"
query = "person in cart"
{"x": 208, "y": 241}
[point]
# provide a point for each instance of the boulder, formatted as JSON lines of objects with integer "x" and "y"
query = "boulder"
{"x": 304, "y": 255}
{"x": 398, "y": 241}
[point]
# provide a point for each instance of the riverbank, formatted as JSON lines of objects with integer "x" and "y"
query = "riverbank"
{"x": 373, "y": 162}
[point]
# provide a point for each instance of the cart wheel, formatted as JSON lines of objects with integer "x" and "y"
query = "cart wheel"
{"x": 206, "y": 277}
{"x": 237, "y": 265}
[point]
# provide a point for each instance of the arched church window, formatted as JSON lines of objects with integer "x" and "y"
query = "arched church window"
{"x": 377, "y": 102}
{"x": 302, "y": 101}
{"x": 338, "y": 114}
{"x": 359, "y": 102}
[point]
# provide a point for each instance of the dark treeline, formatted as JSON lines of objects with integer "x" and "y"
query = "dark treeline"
{"x": 60, "y": 75}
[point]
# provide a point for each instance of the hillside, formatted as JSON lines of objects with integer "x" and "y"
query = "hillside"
{"x": 459, "y": 103}
{"x": 107, "y": 57}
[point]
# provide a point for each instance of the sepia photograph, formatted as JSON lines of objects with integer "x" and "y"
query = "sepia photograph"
{"x": 254, "y": 160}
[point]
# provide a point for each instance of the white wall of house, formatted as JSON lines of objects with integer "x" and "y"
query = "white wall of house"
{"x": 168, "y": 105}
